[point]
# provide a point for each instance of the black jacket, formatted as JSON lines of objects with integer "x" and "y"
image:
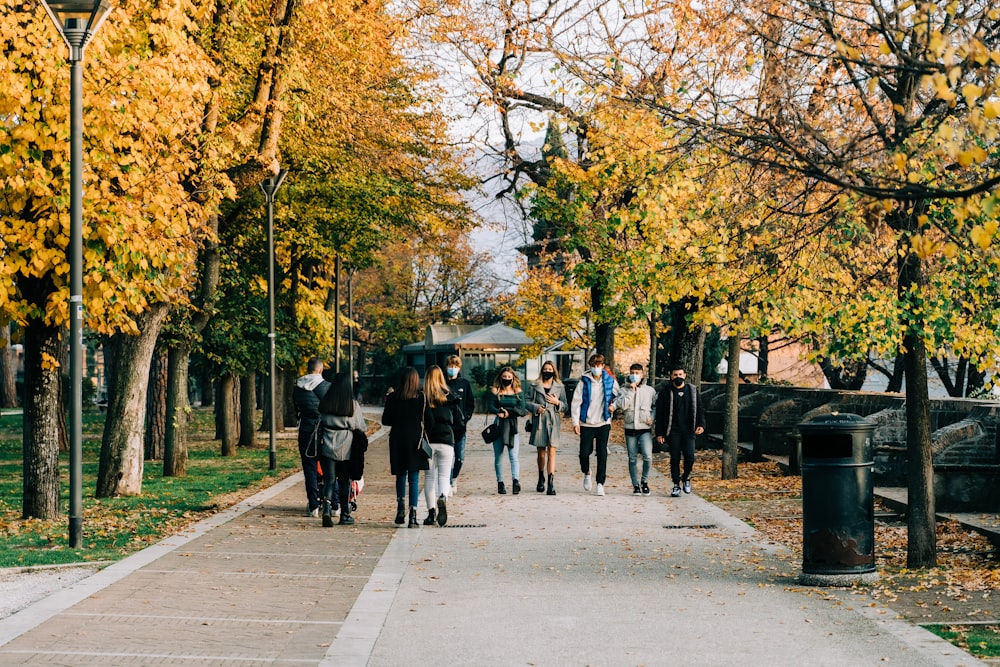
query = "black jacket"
{"x": 404, "y": 418}
{"x": 307, "y": 407}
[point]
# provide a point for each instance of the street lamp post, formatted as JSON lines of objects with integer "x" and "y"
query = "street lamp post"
{"x": 77, "y": 22}
{"x": 270, "y": 187}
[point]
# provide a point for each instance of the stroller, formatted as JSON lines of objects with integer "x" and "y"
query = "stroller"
{"x": 356, "y": 486}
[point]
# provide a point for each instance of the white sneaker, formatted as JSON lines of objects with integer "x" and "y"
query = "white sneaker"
{"x": 336, "y": 512}
{"x": 454, "y": 488}
{"x": 600, "y": 490}
{"x": 314, "y": 513}
{"x": 586, "y": 483}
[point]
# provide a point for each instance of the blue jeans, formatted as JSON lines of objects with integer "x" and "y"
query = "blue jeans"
{"x": 515, "y": 459}
{"x": 456, "y": 466}
{"x": 636, "y": 443}
{"x": 413, "y": 477}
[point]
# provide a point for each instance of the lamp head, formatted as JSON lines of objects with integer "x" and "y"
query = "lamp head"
{"x": 77, "y": 20}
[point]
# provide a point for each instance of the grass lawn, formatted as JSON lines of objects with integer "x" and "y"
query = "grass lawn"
{"x": 116, "y": 527}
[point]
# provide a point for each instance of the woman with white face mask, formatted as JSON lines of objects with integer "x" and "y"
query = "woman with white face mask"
{"x": 546, "y": 403}
{"x": 636, "y": 403}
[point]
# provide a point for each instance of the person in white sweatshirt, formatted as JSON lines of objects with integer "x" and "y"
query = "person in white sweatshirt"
{"x": 591, "y": 408}
{"x": 636, "y": 403}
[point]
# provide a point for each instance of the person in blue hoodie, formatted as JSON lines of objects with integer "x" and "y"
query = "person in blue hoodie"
{"x": 591, "y": 408}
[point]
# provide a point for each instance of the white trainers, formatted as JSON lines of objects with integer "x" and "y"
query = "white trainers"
{"x": 314, "y": 513}
{"x": 600, "y": 490}
{"x": 586, "y": 483}
{"x": 454, "y": 488}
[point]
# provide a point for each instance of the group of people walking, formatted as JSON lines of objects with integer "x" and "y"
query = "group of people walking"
{"x": 429, "y": 421}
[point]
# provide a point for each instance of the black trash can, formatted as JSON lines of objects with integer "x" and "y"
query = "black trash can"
{"x": 838, "y": 512}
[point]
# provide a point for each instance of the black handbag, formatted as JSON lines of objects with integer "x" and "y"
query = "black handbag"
{"x": 491, "y": 432}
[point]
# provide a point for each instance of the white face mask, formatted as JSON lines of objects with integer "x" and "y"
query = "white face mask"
{"x": 595, "y": 371}
{"x": 635, "y": 378}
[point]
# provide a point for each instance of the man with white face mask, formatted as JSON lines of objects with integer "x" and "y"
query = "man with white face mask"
{"x": 636, "y": 403}
{"x": 591, "y": 408}
{"x": 679, "y": 418}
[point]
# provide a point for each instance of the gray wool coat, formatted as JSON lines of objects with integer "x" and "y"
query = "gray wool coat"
{"x": 546, "y": 427}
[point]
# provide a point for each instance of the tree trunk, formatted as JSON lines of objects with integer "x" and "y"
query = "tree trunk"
{"x": 730, "y": 438}
{"x": 175, "y": 449}
{"x": 896, "y": 380}
{"x": 850, "y": 375}
{"x": 156, "y": 406}
{"x": 287, "y": 418}
{"x": 921, "y": 548}
{"x": 692, "y": 353}
{"x": 652, "y": 370}
{"x": 228, "y": 408}
{"x": 8, "y": 371}
{"x": 40, "y": 434}
{"x": 248, "y": 410}
{"x": 207, "y": 383}
{"x": 120, "y": 470}
{"x": 763, "y": 344}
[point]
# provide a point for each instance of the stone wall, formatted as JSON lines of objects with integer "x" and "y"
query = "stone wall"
{"x": 966, "y": 435}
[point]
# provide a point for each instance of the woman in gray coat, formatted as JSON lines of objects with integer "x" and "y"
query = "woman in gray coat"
{"x": 546, "y": 402}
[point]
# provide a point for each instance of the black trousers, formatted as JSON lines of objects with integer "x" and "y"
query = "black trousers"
{"x": 681, "y": 445}
{"x": 591, "y": 438}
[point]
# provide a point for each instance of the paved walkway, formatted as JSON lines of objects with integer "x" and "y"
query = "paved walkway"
{"x": 511, "y": 580}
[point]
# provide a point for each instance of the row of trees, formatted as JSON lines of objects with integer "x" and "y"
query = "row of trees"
{"x": 188, "y": 105}
{"x": 827, "y": 169}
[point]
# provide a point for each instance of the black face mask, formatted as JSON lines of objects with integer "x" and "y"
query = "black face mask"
{"x": 678, "y": 382}
{"x": 506, "y": 383}
{"x": 548, "y": 375}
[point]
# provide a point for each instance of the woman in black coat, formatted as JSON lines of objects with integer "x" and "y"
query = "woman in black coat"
{"x": 407, "y": 414}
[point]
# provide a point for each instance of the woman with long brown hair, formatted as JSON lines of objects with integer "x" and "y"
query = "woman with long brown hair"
{"x": 546, "y": 403}
{"x": 407, "y": 413}
{"x": 505, "y": 401}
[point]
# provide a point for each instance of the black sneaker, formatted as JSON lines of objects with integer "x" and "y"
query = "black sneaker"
{"x": 635, "y": 490}
{"x": 675, "y": 492}
{"x": 645, "y": 488}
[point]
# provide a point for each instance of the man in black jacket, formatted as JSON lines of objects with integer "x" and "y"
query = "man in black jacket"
{"x": 460, "y": 387}
{"x": 309, "y": 390}
{"x": 679, "y": 418}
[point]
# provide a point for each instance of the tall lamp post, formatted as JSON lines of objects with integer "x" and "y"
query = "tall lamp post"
{"x": 77, "y": 22}
{"x": 270, "y": 187}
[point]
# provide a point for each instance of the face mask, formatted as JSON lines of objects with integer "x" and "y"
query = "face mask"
{"x": 453, "y": 372}
{"x": 506, "y": 383}
{"x": 596, "y": 372}
{"x": 548, "y": 375}
{"x": 678, "y": 382}
{"x": 634, "y": 378}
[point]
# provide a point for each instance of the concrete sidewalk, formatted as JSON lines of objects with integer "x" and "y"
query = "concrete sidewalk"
{"x": 530, "y": 579}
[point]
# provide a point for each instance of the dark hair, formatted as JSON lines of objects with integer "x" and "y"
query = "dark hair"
{"x": 635, "y": 367}
{"x": 409, "y": 383}
{"x": 315, "y": 365}
{"x": 677, "y": 367}
{"x": 339, "y": 398}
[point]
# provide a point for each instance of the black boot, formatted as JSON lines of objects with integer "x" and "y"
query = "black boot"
{"x": 327, "y": 514}
{"x": 517, "y": 487}
{"x": 413, "y": 518}
{"x": 400, "y": 511}
{"x": 501, "y": 489}
{"x": 429, "y": 521}
{"x": 541, "y": 482}
{"x": 552, "y": 486}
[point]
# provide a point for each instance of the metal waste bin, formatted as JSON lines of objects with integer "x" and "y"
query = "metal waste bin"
{"x": 838, "y": 513}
